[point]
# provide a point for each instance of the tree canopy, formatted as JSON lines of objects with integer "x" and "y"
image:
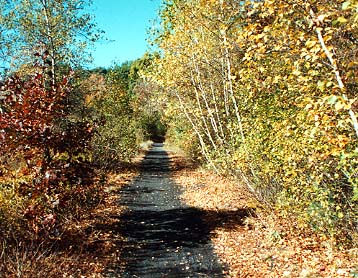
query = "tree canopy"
{"x": 60, "y": 31}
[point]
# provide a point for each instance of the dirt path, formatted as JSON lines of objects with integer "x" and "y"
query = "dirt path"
{"x": 163, "y": 237}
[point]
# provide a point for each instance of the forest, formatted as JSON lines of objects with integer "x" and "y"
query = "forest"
{"x": 260, "y": 92}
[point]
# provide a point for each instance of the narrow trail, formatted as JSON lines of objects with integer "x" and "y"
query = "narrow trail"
{"x": 163, "y": 237}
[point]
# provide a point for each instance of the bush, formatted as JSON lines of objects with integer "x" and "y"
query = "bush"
{"x": 51, "y": 172}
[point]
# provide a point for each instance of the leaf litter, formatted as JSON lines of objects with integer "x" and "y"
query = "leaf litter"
{"x": 262, "y": 245}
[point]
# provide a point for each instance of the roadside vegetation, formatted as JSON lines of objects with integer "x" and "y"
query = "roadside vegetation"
{"x": 265, "y": 91}
{"x": 260, "y": 93}
{"x": 64, "y": 130}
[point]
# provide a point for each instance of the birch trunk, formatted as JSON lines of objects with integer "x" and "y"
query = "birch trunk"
{"x": 334, "y": 66}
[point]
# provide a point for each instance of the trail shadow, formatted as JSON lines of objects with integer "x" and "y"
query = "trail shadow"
{"x": 171, "y": 243}
{"x": 156, "y": 236}
{"x": 159, "y": 235}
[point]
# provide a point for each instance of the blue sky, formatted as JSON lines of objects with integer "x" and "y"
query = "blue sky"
{"x": 125, "y": 23}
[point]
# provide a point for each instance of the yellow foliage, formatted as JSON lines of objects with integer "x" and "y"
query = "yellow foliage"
{"x": 264, "y": 99}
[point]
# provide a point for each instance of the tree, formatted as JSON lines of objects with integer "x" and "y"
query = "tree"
{"x": 116, "y": 139}
{"x": 43, "y": 119}
{"x": 268, "y": 87}
{"x": 60, "y": 31}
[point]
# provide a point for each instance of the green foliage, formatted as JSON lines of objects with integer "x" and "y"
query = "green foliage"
{"x": 153, "y": 128}
{"x": 117, "y": 138}
{"x": 147, "y": 105}
{"x": 61, "y": 29}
